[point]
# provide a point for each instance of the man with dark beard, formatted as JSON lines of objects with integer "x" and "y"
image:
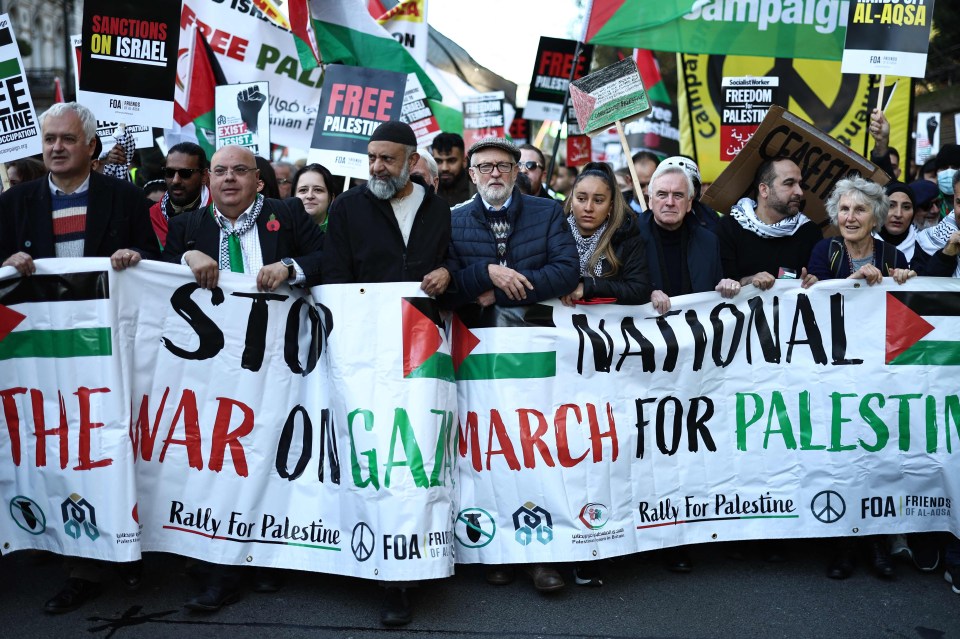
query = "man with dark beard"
{"x": 767, "y": 239}
{"x": 393, "y": 228}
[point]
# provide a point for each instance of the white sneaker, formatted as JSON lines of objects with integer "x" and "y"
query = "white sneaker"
{"x": 948, "y": 577}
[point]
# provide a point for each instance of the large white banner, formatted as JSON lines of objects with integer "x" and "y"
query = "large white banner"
{"x": 171, "y": 418}
{"x": 250, "y": 48}
{"x": 357, "y": 430}
{"x": 607, "y": 430}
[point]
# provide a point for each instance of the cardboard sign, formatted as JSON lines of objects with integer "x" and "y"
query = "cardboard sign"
{"x": 822, "y": 160}
{"x": 19, "y": 129}
{"x": 551, "y": 75}
{"x": 928, "y": 136}
{"x": 888, "y": 38}
{"x": 745, "y": 104}
{"x": 129, "y": 60}
{"x": 416, "y": 112}
{"x": 243, "y": 117}
{"x": 613, "y": 93}
{"x": 355, "y": 101}
{"x": 483, "y": 117}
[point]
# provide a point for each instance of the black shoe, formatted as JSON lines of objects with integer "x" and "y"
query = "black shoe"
{"x": 267, "y": 580}
{"x": 501, "y": 575}
{"x": 131, "y": 573}
{"x": 213, "y": 598}
{"x": 587, "y": 575}
{"x": 880, "y": 560}
{"x": 545, "y": 578}
{"x": 842, "y": 566}
{"x": 952, "y": 576}
{"x": 396, "y": 607}
{"x": 74, "y": 594}
{"x": 926, "y": 557}
{"x": 678, "y": 560}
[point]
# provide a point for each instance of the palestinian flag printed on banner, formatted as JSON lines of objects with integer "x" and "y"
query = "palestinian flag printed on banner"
{"x": 479, "y": 354}
{"x": 907, "y": 326}
{"x": 55, "y": 316}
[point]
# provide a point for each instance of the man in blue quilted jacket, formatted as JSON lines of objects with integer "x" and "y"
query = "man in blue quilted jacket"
{"x": 507, "y": 248}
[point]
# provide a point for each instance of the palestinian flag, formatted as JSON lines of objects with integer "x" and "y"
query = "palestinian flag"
{"x": 477, "y": 353}
{"x": 348, "y": 34}
{"x": 294, "y": 16}
{"x": 907, "y": 328}
{"x": 55, "y": 316}
{"x": 194, "y": 107}
{"x": 422, "y": 340}
{"x": 650, "y": 72}
{"x": 621, "y": 23}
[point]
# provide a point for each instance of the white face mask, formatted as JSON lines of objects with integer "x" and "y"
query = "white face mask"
{"x": 945, "y": 180}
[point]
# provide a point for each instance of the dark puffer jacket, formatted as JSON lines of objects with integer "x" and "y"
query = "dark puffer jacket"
{"x": 539, "y": 246}
{"x": 631, "y": 283}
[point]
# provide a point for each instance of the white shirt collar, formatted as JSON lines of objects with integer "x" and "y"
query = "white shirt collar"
{"x": 55, "y": 190}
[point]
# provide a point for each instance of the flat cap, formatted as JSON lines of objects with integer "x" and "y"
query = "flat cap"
{"x": 495, "y": 143}
{"x": 395, "y": 131}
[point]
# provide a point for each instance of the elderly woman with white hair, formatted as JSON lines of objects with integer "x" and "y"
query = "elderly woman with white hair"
{"x": 858, "y": 208}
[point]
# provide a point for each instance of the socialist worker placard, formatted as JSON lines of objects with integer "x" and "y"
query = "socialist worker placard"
{"x": 129, "y": 60}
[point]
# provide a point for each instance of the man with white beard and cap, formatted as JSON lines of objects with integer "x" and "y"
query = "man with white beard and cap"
{"x": 393, "y": 228}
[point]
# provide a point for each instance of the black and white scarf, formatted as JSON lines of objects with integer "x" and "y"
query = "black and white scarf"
{"x": 744, "y": 212}
{"x": 238, "y": 230}
{"x": 587, "y": 246}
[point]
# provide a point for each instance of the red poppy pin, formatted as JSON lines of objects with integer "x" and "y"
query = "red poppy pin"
{"x": 273, "y": 224}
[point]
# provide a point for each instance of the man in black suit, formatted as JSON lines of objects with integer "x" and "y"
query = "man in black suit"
{"x": 73, "y": 212}
{"x": 243, "y": 232}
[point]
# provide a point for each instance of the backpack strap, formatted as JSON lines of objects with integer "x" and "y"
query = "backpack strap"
{"x": 837, "y": 255}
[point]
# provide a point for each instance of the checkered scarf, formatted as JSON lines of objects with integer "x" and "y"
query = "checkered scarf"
{"x": 239, "y": 229}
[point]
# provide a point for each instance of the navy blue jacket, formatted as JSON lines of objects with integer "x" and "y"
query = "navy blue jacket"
{"x": 703, "y": 255}
{"x": 539, "y": 246}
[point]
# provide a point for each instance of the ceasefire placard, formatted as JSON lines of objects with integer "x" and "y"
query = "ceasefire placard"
{"x": 129, "y": 60}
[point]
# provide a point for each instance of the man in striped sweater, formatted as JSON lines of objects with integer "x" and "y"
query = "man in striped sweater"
{"x": 73, "y": 211}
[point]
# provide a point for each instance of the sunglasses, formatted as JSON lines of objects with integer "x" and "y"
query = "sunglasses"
{"x": 185, "y": 174}
{"x": 529, "y": 165}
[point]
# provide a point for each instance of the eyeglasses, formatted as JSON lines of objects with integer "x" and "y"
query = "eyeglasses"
{"x": 283, "y": 181}
{"x": 530, "y": 165}
{"x": 487, "y": 167}
{"x": 185, "y": 174}
{"x": 238, "y": 170}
